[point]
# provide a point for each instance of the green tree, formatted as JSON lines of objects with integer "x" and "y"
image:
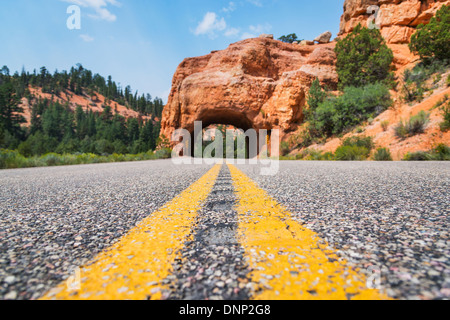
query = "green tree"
{"x": 316, "y": 96}
{"x": 363, "y": 58}
{"x": 433, "y": 40}
{"x": 290, "y": 38}
{"x": 10, "y": 111}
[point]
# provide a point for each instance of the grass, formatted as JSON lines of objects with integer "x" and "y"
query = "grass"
{"x": 445, "y": 126}
{"x": 382, "y": 154}
{"x": 439, "y": 153}
{"x": 385, "y": 125}
{"x": 414, "y": 126}
{"x": 13, "y": 159}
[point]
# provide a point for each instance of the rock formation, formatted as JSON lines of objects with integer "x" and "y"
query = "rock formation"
{"x": 324, "y": 37}
{"x": 256, "y": 83}
{"x": 396, "y": 18}
{"x": 263, "y": 83}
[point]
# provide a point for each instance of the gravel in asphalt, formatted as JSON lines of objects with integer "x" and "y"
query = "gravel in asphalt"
{"x": 392, "y": 216}
{"x": 54, "y": 219}
{"x": 212, "y": 265}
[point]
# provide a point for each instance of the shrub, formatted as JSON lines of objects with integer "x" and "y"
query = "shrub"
{"x": 316, "y": 96}
{"x": 314, "y": 155}
{"x": 355, "y": 149}
{"x": 418, "y": 156}
{"x": 351, "y": 153}
{"x": 445, "y": 126}
{"x": 382, "y": 154}
{"x": 284, "y": 148}
{"x": 440, "y": 153}
{"x": 365, "y": 142}
{"x": 163, "y": 153}
{"x": 433, "y": 40}
{"x": 414, "y": 79}
{"x": 363, "y": 58}
{"x": 385, "y": 125}
{"x": 416, "y": 125}
{"x": 356, "y": 105}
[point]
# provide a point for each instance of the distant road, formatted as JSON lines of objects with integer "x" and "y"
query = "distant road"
{"x": 154, "y": 230}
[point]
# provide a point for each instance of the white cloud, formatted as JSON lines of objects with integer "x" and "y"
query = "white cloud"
{"x": 210, "y": 24}
{"x": 86, "y": 38}
{"x": 231, "y": 7}
{"x": 99, "y": 6}
{"x": 255, "y": 31}
{"x": 257, "y": 3}
{"x": 232, "y": 32}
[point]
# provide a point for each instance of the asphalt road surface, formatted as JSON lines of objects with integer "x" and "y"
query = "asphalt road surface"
{"x": 155, "y": 230}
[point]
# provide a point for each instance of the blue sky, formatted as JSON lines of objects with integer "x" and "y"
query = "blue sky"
{"x": 141, "y": 42}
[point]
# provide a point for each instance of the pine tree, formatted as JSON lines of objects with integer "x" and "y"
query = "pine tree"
{"x": 363, "y": 58}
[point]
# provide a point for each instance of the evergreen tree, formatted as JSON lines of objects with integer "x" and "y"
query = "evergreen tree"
{"x": 363, "y": 58}
{"x": 433, "y": 40}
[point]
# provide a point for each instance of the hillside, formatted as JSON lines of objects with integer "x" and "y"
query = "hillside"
{"x": 95, "y": 103}
{"x": 435, "y": 96}
{"x": 75, "y": 112}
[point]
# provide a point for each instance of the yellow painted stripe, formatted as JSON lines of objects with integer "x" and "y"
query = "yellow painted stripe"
{"x": 134, "y": 267}
{"x": 286, "y": 260}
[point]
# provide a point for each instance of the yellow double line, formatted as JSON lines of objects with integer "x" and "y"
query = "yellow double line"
{"x": 286, "y": 260}
{"x": 134, "y": 267}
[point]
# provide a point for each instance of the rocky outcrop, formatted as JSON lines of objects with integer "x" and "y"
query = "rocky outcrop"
{"x": 256, "y": 83}
{"x": 324, "y": 37}
{"x": 396, "y": 18}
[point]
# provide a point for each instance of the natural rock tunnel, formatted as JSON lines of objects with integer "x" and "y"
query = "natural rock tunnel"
{"x": 256, "y": 84}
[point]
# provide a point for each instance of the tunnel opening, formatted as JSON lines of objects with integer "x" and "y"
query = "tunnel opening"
{"x": 239, "y": 139}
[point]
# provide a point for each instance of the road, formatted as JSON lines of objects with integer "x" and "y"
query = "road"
{"x": 156, "y": 230}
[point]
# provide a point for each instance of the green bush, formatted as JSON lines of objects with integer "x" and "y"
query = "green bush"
{"x": 365, "y": 142}
{"x": 445, "y": 126}
{"x": 382, "y": 154}
{"x": 385, "y": 125}
{"x": 351, "y": 153}
{"x": 284, "y": 148}
{"x": 416, "y": 125}
{"x": 355, "y": 149}
{"x": 356, "y": 105}
{"x": 439, "y": 153}
{"x": 418, "y": 156}
{"x": 13, "y": 159}
{"x": 363, "y": 58}
{"x": 414, "y": 79}
{"x": 314, "y": 155}
{"x": 433, "y": 40}
{"x": 163, "y": 153}
{"x": 316, "y": 96}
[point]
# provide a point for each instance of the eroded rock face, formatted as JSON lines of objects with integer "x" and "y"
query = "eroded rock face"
{"x": 397, "y": 18}
{"x": 256, "y": 83}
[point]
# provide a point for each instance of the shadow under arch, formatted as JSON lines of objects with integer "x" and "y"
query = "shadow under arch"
{"x": 226, "y": 118}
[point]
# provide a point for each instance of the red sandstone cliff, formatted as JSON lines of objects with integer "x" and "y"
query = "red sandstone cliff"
{"x": 256, "y": 83}
{"x": 396, "y": 18}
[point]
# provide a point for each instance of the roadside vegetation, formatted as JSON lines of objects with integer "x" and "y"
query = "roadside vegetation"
{"x": 445, "y": 125}
{"x": 440, "y": 153}
{"x": 364, "y": 66}
{"x": 13, "y": 159}
{"x": 58, "y": 133}
{"x": 414, "y": 126}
